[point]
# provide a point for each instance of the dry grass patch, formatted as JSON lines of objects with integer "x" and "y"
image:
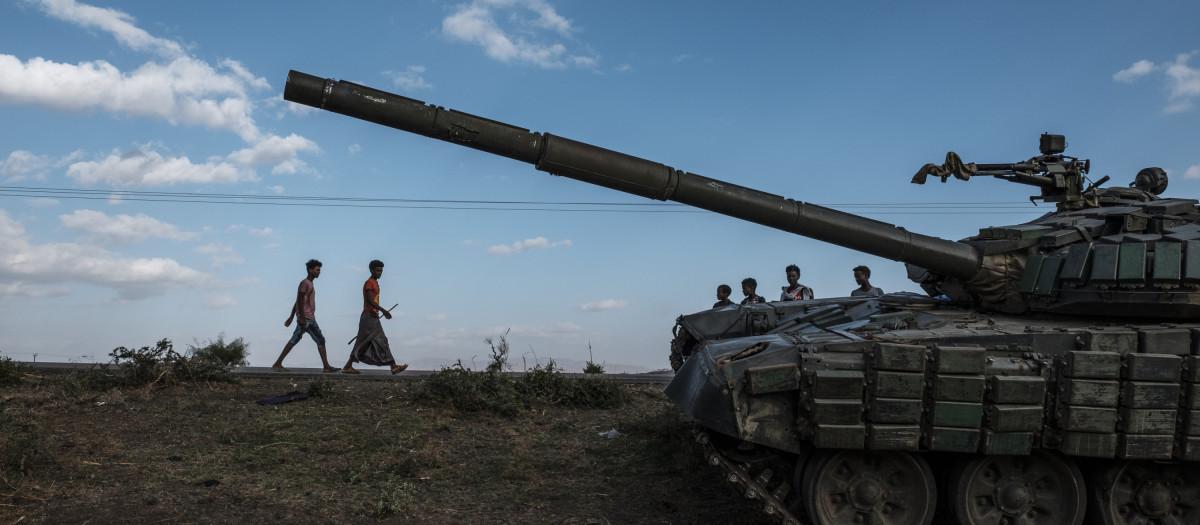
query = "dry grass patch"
{"x": 377, "y": 451}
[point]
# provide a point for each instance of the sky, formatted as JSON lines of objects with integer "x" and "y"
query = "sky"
{"x": 154, "y": 184}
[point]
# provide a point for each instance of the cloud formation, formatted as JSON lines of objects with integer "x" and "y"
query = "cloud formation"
{"x": 220, "y": 300}
{"x": 1193, "y": 172}
{"x": 149, "y": 168}
{"x": 1183, "y": 81}
{"x": 183, "y": 90}
{"x": 33, "y": 269}
{"x": 525, "y": 245}
{"x": 605, "y": 304}
{"x": 119, "y": 25}
{"x": 408, "y": 80}
{"x": 528, "y": 35}
{"x": 122, "y": 229}
{"x": 221, "y": 254}
{"x": 21, "y": 165}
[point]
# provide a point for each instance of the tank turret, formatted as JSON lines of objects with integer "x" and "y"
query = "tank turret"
{"x": 1060, "y": 383}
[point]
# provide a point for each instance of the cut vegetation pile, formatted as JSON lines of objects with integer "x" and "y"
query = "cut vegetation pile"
{"x": 164, "y": 439}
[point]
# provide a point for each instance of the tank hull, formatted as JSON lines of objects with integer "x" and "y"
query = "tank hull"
{"x": 878, "y": 378}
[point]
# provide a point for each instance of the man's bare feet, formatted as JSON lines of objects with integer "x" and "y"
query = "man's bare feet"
{"x": 329, "y": 369}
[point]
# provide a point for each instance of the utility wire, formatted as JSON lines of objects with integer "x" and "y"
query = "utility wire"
{"x": 915, "y": 208}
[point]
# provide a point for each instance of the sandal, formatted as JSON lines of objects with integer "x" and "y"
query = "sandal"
{"x": 398, "y": 369}
{"x": 280, "y": 369}
{"x": 350, "y": 371}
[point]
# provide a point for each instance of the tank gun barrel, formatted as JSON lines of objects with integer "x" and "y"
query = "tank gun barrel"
{"x": 629, "y": 174}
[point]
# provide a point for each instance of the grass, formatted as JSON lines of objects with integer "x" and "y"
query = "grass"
{"x": 81, "y": 448}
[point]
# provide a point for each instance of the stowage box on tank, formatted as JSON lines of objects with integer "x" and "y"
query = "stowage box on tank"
{"x": 1055, "y": 377}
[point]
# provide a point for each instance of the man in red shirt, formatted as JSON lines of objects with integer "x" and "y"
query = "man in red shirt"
{"x": 305, "y": 312}
{"x": 372, "y": 345}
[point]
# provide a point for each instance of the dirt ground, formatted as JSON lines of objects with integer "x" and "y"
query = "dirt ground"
{"x": 363, "y": 452}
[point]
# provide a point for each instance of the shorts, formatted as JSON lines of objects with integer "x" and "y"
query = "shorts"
{"x": 310, "y": 326}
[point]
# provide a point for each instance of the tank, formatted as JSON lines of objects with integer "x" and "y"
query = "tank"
{"x": 1049, "y": 372}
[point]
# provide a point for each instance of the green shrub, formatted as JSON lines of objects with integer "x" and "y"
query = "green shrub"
{"x": 471, "y": 391}
{"x": 11, "y": 371}
{"x": 320, "y": 387}
{"x": 495, "y": 392}
{"x": 214, "y": 361}
{"x": 145, "y": 365}
{"x": 96, "y": 378}
{"x": 161, "y": 364}
{"x": 20, "y": 445}
{"x": 548, "y": 384}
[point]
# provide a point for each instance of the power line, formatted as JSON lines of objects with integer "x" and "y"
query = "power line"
{"x": 916, "y": 208}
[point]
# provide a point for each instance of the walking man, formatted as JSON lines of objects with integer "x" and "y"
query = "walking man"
{"x": 372, "y": 345}
{"x": 305, "y": 313}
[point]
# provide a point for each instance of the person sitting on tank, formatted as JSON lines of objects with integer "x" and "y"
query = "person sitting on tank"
{"x": 749, "y": 285}
{"x": 862, "y": 276}
{"x": 794, "y": 291}
{"x": 723, "y": 292}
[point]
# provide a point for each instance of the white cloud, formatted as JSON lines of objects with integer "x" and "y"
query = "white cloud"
{"x": 1139, "y": 69}
{"x": 22, "y": 165}
{"x": 410, "y": 79}
{"x": 1193, "y": 172}
{"x": 477, "y": 23}
{"x": 220, "y": 300}
{"x": 150, "y": 168}
{"x": 117, "y": 23}
{"x": 278, "y": 151}
{"x": 1183, "y": 81}
{"x": 221, "y": 254}
{"x": 43, "y": 202}
{"x": 265, "y": 231}
{"x": 353, "y": 149}
{"x": 278, "y": 190}
{"x": 606, "y": 304}
{"x": 122, "y": 229}
{"x": 28, "y": 264}
{"x": 525, "y": 245}
{"x": 436, "y": 317}
{"x": 183, "y": 90}
{"x": 25, "y": 289}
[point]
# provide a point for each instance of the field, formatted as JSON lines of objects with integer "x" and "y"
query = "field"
{"x": 75, "y": 450}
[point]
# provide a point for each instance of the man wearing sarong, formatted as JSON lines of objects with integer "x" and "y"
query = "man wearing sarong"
{"x": 371, "y": 346}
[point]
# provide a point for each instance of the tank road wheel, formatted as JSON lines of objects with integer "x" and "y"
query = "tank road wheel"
{"x": 874, "y": 488}
{"x": 1040, "y": 489}
{"x": 1147, "y": 493}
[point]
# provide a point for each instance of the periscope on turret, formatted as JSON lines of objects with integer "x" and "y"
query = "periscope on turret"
{"x": 1059, "y": 381}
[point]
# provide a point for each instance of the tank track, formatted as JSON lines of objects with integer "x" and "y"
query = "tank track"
{"x": 754, "y": 484}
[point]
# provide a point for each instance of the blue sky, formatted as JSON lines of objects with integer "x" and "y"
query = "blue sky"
{"x": 830, "y": 103}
